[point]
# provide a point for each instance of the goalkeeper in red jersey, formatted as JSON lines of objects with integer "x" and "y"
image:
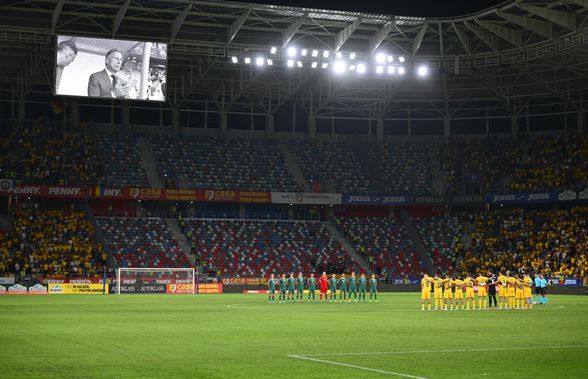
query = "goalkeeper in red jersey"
{"x": 324, "y": 286}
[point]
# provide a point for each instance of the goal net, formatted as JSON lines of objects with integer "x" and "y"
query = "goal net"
{"x": 155, "y": 280}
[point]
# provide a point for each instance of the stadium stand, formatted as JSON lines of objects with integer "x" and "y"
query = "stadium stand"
{"x": 442, "y": 238}
{"x": 142, "y": 242}
{"x": 121, "y": 161}
{"x": 243, "y": 248}
{"x": 234, "y": 164}
{"x": 51, "y": 243}
{"x": 384, "y": 243}
{"x": 552, "y": 241}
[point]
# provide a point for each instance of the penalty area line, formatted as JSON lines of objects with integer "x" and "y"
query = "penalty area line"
{"x": 356, "y": 367}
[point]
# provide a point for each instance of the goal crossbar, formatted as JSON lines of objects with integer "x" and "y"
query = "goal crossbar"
{"x": 191, "y": 273}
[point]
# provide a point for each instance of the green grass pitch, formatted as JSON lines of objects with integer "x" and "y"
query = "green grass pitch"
{"x": 242, "y": 336}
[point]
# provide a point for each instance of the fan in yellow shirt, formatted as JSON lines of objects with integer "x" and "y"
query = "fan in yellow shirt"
{"x": 426, "y": 284}
{"x": 438, "y": 292}
{"x": 527, "y": 293}
{"x": 502, "y": 290}
{"x": 458, "y": 285}
{"x": 469, "y": 292}
{"x": 482, "y": 293}
{"x": 447, "y": 295}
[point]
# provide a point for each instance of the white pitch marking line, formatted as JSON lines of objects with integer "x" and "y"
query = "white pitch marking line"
{"x": 356, "y": 367}
{"x": 448, "y": 351}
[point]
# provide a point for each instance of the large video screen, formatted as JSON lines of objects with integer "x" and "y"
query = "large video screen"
{"x": 107, "y": 68}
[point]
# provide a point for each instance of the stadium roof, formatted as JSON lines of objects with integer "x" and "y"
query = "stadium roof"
{"x": 517, "y": 55}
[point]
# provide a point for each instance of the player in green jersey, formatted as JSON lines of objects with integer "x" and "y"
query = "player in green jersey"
{"x": 311, "y": 287}
{"x": 300, "y": 288}
{"x": 342, "y": 288}
{"x": 271, "y": 289}
{"x": 291, "y": 281}
{"x": 282, "y": 296}
{"x": 352, "y": 286}
{"x": 374, "y": 288}
{"x": 362, "y": 284}
{"x": 333, "y": 288}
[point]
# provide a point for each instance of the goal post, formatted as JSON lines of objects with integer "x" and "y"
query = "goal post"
{"x": 155, "y": 280}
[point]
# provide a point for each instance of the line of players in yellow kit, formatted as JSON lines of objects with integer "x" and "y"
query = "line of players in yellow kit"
{"x": 514, "y": 292}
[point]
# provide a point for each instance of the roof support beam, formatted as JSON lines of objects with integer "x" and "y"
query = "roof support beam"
{"x": 377, "y": 39}
{"x": 565, "y": 19}
{"x": 543, "y": 28}
{"x": 179, "y": 21}
{"x": 463, "y": 38}
{"x": 344, "y": 34}
{"x": 291, "y": 30}
{"x": 582, "y": 3}
{"x": 510, "y": 35}
{"x": 488, "y": 38}
{"x": 56, "y": 14}
{"x": 119, "y": 17}
{"x": 416, "y": 43}
{"x": 236, "y": 26}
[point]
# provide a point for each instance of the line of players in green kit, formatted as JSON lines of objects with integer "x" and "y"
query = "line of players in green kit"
{"x": 291, "y": 289}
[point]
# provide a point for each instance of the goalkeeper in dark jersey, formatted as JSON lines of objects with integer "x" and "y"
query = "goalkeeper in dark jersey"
{"x": 291, "y": 290}
{"x": 282, "y": 296}
{"x": 362, "y": 286}
{"x": 300, "y": 288}
{"x": 374, "y": 288}
{"x": 352, "y": 286}
{"x": 271, "y": 289}
{"x": 333, "y": 288}
{"x": 342, "y": 288}
{"x": 311, "y": 287}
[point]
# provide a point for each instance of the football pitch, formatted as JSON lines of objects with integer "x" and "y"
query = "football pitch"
{"x": 242, "y": 336}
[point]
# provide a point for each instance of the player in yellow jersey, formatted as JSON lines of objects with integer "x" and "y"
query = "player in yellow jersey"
{"x": 501, "y": 290}
{"x": 438, "y": 292}
{"x": 510, "y": 290}
{"x": 519, "y": 296}
{"x": 482, "y": 293}
{"x": 527, "y": 293}
{"x": 426, "y": 284}
{"x": 458, "y": 285}
{"x": 447, "y": 295}
{"x": 469, "y": 292}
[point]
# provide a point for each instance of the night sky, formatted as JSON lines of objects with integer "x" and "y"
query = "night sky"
{"x": 420, "y": 8}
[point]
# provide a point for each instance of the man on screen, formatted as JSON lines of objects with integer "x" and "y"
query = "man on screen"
{"x": 105, "y": 83}
{"x": 66, "y": 53}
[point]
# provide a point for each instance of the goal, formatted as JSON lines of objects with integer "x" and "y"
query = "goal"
{"x": 155, "y": 280}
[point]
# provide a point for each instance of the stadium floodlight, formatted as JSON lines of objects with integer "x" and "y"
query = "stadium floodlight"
{"x": 234, "y": 59}
{"x": 379, "y": 70}
{"x": 314, "y": 64}
{"x": 291, "y": 52}
{"x": 380, "y": 58}
{"x": 290, "y": 63}
{"x": 401, "y": 70}
{"x": 339, "y": 55}
{"x": 361, "y": 68}
{"x": 304, "y": 52}
{"x": 352, "y": 67}
{"x": 391, "y": 70}
{"x": 352, "y": 56}
{"x": 247, "y": 60}
{"x": 299, "y": 64}
{"x": 270, "y": 62}
{"x": 326, "y": 53}
{"x": 259, "y": 61}
{"x": 339, "y": 67}
{"x": 390, "y": 58}
{"x": 325, "y": 65}
{"x": 315, "y": 53}
{"x": 401, "y": 59}
{"x": 274, "y": 50}
{"x": 423, "y": 71}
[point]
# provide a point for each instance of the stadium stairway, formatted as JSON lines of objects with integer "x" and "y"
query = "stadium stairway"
{"x": 351, "y": 252}
{"x": 176, "y": 232}
{"x": 438, "y": 177}
{"x": 149, "y": 163}
{"x": 294, "y": 169}
{"x": 417, "y": 242}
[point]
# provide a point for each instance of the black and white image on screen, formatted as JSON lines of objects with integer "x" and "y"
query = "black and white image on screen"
{"x": 93, "y": 67}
